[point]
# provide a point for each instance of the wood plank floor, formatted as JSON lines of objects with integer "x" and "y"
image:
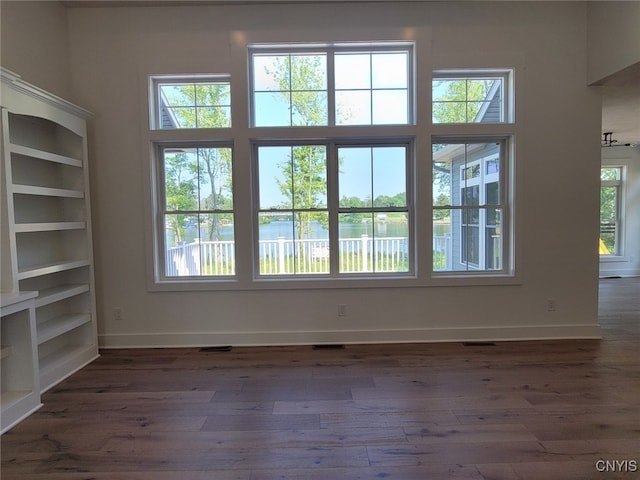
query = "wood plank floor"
{"x": 516, "y": 410}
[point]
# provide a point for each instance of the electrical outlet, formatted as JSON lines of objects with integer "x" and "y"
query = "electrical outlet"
{"x": 551, "y": 304}
{"x": 342, "y": 310}
{"x": 117, "y": 314}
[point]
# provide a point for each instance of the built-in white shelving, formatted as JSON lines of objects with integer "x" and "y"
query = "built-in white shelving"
{"x": 46, "y": 226}
{"x": 20, "y": 392}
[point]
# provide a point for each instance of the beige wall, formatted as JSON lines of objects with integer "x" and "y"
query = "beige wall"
{"x": 34, "y": 44}
{"x": 613, "y": 39}
{"x": 113, "y": 50}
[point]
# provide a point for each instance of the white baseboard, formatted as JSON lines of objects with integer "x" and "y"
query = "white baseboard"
{"x": 427, "y": 335}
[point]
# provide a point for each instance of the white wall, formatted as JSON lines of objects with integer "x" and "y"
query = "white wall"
{"x": 34, "y": 44}
{"x": 627, "y": 264}
{"x": 613, "y": 38}
{"x": 114, "y": 49}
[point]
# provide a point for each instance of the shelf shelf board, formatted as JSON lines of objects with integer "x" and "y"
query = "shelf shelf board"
{"x": 49, "y": 226}
{"x": 60, "y": 325}
{"x": 44, "y": 155}
{"x": 38, "y": 270}
{"x": 47, "y": 191}
{"x": 61, "y": 292}
{"x": 63, "y": 362}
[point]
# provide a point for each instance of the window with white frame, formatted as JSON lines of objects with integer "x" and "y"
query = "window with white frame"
{"x": 195, "y": 101}
{"x": 469, "y": 206}
{"x": 195, "y": 210}
{"x": 610, "y": 211}
{"x": 310, "y": 224}
{"x": 471, "y": 96}
{"x": 329, "y": 171}
{"x": 331, "y": 85}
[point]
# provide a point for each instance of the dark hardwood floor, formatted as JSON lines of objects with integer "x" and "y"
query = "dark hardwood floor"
{"x": 516, "y": 410}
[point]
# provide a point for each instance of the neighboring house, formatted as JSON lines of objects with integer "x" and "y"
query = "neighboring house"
{"x": 472, "y": 171}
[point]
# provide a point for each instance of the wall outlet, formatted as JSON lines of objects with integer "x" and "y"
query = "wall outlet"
{"x": 117, "y": 314}
{"x": 342, "y": 310}
{"x": 551, "y": 304}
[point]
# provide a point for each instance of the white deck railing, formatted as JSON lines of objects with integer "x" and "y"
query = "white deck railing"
{"x": 309, "y": 256}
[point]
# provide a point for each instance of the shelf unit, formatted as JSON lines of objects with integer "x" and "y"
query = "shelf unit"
{"x": 46, "y": 217}
{"x": 20, "y": 392}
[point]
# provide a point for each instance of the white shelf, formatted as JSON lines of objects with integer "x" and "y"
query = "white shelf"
{"x": 46, "y": 269}
{"x": 59, "y": 293}
{"x": 47, "y": 191}
{"x": 46, "y": 238}
{"x": 49, "y": 226}
{"x": 60, "y": 325}
{"x": 48, "y": 156}
{"x": 9, "y": 399}
{"x": 64, "y": 362}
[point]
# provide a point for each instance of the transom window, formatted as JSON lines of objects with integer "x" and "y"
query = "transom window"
{"x": 470, "y": 97}
{"x": 192, "y": 102}
{"x": 338, "y": 85}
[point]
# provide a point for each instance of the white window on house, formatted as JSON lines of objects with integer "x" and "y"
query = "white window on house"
{"x": 470, "y": 230}
{"x": 191, "y": 102}
{"x": 336, "y": 85}
{"x": 333, "y": 210}
{"x": 610, "y": 211}
{"x": 195, "y": 211}
{"x": 471, "y": 97}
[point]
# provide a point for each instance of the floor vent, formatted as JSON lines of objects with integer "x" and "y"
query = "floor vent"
{"x": 479, "y": 344}
{"x": 225, "y": 348}
{"x": 330, "y": 346}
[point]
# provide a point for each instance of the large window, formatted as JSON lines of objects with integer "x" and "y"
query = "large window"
{"x": 610, "y": 211}
{"x": 318, "y": 173}
{"x": 338, "y": 85}
{"x": 307, "y": 226}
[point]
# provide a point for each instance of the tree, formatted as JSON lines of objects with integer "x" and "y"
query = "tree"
{"x": 205, "y": 108}
{"x": 301, "y": 80}
{"x": 303, "y": 180}
{"x": 180, "y": 191}
{"x": 461, "y": 99}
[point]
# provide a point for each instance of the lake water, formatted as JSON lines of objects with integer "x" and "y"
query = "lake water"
{"x": 275, "y": 229}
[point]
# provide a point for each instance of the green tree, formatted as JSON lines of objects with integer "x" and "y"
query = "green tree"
{"x": 441, "y": 214}
{"x": 180, "y": 190}
{"x": 461, "y": 99}
{"x": 203, "y": 105}
{"x": 301, "y": 80}
{"x": 303, "y": 180}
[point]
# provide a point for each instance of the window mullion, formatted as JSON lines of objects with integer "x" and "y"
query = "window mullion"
{"x": 332, "y": 207}
{"x": 331, "y": 87}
